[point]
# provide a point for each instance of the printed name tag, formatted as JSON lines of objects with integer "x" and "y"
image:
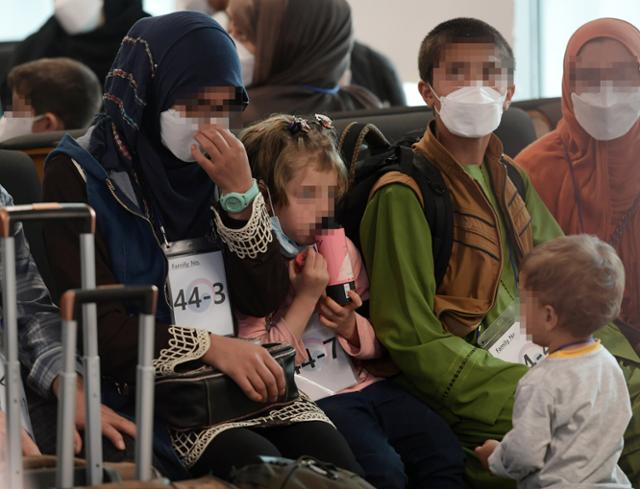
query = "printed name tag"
{"x": 514, "y": 346}
{"x": 328, "y": 365}
{"x": 198, "y": 288}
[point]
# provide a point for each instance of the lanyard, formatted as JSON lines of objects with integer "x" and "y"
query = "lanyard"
{"x": 573, "y": 343}
{"x": 500, "y": 214}
{"x": 326, "y": 91}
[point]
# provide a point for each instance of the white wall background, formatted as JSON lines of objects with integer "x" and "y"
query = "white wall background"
{"x": 560, "y": 20}
{"x": 397, "y": 27}
{"x": 537, "y": 29}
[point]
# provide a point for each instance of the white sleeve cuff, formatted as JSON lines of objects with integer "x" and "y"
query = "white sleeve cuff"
{"x": 254, "y": 237}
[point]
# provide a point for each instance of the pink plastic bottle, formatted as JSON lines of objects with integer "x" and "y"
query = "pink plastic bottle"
{"x": 332, "y": 245}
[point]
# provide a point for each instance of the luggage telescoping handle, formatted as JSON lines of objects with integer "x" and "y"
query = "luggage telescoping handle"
{"x": 45, "y": 211}
{"x": 147, "y": 298}
{"x": 9, "y": 217}
{"x": 91, "y": 362}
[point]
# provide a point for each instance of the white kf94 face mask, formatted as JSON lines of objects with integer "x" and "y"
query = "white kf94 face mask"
{"x": 177, "y": 131}
{"x": 609, "y": 113}
{"x": 13, "y": 127}
{"x": 471, "y": 112}
{"x": 78, "y": 16}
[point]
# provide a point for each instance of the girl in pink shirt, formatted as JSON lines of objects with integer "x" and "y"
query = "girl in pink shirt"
{"x": 397, "y": 439}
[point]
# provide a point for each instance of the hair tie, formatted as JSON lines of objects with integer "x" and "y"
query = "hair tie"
{"x": 298, "y": 125}
{"x": 324, "y": 121}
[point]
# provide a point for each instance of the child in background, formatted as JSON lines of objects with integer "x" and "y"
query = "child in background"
{"x": 49, "y": 94}
{"x": 572, "y": 409}
{"x": 395, "y": 437}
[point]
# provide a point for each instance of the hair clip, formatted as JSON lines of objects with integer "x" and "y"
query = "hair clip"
{"x": 324, "y": 121}
{"x": 298, "y": 125}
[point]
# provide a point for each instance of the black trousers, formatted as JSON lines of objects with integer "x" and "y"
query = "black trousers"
{"x": 238, "y": 447}
{"x": 231, "y": 449}
{"x": 397, "y": 439}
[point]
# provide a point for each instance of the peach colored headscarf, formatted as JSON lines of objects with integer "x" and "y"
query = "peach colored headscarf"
{"x": 606, "y": 173}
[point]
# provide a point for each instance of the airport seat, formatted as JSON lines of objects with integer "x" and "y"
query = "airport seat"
{"x": 39, "y": 145}
{"x": 18, "y": 175}
{"x": 516, "y": 129}
{"x": 545, "y": 113}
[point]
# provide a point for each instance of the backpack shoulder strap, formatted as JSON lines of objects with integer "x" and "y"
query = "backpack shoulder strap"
{"x": 425, "y": 179}
{"x": 397, "y": 177}
{"x": 438, "y": 211}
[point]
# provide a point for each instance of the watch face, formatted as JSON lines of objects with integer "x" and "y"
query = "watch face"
{"x": 233, "y": 203}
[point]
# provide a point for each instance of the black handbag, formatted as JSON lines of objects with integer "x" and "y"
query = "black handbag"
{"x": 205, "y": 397}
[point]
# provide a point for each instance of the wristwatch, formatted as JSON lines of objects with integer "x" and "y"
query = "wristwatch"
{"x": 235, "y": 202}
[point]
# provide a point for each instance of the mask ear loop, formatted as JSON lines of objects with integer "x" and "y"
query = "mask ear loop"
{"x": 273, "y": 209}
{"x": 437, "y": 112}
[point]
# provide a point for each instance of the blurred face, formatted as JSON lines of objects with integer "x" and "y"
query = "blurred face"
{"x": 180, "y": 123}
{"x": 209, "y": 103}
{"x": 21, "y": 109}
{"x": 218, "y": 5}
{"x": 237, "y": 33}
{"x": 311, "y": 194}
{"x": 604, "y": 61}
{"x": 468, "y": 64}
{"x": 538, "y": 320}
{"x": 20, "y": 106}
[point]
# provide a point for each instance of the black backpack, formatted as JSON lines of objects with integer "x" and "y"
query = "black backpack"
{"x": 368, "y": 156}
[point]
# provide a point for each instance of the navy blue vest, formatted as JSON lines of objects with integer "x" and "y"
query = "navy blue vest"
{"x": 136, "y": 255}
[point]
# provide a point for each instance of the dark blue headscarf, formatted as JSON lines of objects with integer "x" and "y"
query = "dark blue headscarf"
{"x": 162, "y": 60}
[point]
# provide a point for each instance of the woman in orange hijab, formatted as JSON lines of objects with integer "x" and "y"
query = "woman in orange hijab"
{"x": 587, "y": 170}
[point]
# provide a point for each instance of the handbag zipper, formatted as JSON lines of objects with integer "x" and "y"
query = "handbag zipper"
{"x": 189, "y": 376}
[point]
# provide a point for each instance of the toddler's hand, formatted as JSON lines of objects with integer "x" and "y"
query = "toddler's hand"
{"x": 484, "y": 452}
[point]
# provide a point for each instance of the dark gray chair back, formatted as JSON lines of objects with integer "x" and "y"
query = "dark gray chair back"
{"x": 516, "y": 128}
{"x": 18, "y": 175}
{"x": 40, "y": 139}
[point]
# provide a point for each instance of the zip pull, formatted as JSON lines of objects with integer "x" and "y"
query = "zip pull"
{"x": 164, "y": 236}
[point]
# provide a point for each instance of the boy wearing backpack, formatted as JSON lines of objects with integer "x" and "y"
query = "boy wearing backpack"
{"x": 429, "y": 322}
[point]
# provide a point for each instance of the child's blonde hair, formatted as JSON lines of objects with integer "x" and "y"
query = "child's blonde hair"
{"x": 581, "y": 277}
{"x": 281, "y": 145}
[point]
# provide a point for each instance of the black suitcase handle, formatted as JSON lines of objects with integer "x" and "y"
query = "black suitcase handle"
{"x": 144, "y": 295}
{"x": 46, "y": 211}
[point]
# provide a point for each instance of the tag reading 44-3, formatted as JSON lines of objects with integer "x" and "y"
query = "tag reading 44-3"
{"x": 198, "y": 287}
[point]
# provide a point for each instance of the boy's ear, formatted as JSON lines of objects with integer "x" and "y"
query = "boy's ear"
{"x": 550, "y": 318}
{"x": 427, "y": 95}
{"x": 47, "y": 122}
{"x": 510, "y": 92}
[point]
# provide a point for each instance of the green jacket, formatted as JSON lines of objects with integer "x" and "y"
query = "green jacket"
{"x": 396, "y": 244}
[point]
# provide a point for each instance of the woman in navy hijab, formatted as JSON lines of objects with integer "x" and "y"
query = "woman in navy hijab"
{"x": 152, "y": 166}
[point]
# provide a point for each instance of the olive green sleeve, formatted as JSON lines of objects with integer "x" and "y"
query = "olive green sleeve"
{"x": 464, "y": 381}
